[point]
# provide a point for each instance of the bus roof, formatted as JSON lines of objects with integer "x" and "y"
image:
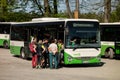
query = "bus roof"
{"x": 58, "y": 19}
{"x": 47, "y": 19}
{"x": 91, "y": 20}
{"x": 51, "y": 21}
{"x": 36, "y": 23}
{"x": 116, "y": 23}
{"x": 5, "y": 22}
{"x": 32, "y": 22}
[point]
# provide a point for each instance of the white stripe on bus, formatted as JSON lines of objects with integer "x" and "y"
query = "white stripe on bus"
{"x": 4, "y": 36}
{"x": 17, "y": 43}
{"x": 107, "y": 43}
{"x": 83, "y": 52}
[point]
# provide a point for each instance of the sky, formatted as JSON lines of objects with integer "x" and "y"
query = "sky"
{"x": 85, "y": 6}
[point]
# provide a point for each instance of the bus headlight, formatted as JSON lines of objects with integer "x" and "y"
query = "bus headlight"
{"x": 99, "y": 57}
{"x": 70, "y": 58}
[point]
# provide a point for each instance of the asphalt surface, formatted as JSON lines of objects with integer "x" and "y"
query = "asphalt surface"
{"x": 15, "y": 68}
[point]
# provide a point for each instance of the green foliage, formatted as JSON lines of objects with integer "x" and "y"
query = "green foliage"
{"x": 2, "y": 18}
{"x": 17, "y": 17}
{"x": 115, "y": 15}
{"x": 92, "y": 16}
{"x": 3, "y": 7}
{"x": 118, "y": 11}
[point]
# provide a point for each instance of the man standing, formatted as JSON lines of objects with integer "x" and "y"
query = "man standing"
{"x": 53, "y": 50}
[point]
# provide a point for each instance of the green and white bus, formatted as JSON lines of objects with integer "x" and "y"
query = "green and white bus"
{"x": 110, "y": 39}
{"x": 4, "y": 34}
{"x": 85, "y": 32}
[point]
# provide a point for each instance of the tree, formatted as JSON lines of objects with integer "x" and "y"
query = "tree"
{"x": 47, "y": 8}
{"x": 39, "y": 5}
{"x": 68, "y": 9}
{"x": 76, "y": 12}
{"x": 107, "y": 10}
{"x": 3, "y": 7}
{"x": 55, "y": 6}
{"x": 115, "y": 14}
{"x": 118, "y": 12}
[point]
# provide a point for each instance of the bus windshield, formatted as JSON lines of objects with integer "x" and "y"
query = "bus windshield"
{"x": 82, "y": 34}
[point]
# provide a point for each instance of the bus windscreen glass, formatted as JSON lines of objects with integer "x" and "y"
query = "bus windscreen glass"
{"x": 82, "y": 34}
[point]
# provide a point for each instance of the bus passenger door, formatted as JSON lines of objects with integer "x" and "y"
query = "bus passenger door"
{"x": 26, "y": 43}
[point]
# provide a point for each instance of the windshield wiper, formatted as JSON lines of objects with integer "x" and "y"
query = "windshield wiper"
{"x": 76, "y": 48}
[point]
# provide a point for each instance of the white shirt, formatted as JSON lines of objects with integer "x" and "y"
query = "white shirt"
{"x": 53, "y": 47}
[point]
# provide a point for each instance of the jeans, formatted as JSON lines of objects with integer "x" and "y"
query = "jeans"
{"x": 53, "y": 58}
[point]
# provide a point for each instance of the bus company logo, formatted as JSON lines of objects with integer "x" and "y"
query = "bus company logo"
{"x": 77, "y": 54}
{"x": 5, "y": 36}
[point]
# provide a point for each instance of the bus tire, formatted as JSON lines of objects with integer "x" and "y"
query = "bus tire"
{"x": 62, "y": 57}
{"x": 106, "y": 54}
{"x": 5, "y": 45}
{"x": 111, "y": 53}
{"x": 22, "y": 54}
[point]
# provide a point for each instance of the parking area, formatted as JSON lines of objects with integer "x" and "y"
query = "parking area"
{"x": 15, "y": 68}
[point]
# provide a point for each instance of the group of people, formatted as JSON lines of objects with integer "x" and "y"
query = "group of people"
{"x": 45, "y": 54}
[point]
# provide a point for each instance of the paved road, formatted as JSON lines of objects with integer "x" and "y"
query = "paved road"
{"x": 14, "y": 68}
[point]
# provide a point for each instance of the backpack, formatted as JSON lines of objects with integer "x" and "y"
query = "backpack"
{"x": 31, "y": 47}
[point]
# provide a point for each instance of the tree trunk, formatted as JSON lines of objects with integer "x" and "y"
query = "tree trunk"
{"x": 68, "y": 9}
{"x": 107, "y": 10}
{"x": 39, "y": 6}
{"x": 76, "y": 12}
{"x": 55, "y": 6}
{"x": 46, "y": 8}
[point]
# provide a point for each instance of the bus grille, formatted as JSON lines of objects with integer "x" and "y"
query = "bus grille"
{"x": 85, "y": 58}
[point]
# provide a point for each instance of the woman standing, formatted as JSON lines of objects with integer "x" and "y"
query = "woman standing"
{"x": 33, "y": 47}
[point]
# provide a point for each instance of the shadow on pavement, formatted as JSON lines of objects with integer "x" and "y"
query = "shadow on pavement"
{"x": 84, "y": 65}
{"x": 72, "y": 65}
{"x": 17, "y": 56}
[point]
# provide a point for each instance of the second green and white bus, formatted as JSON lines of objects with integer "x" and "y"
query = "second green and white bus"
{"x": 4, "y": 34}
{"x": 110, "y": 40}
{"x": 86, "y": 32}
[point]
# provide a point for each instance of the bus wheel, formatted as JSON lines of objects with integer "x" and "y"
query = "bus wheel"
{"x": 106, "y": 54}
{"x": 22, "y": 54}
{"x": 5, "y": 44}
{"x": 111, "y": 53}
{"x": 62, "y": 57}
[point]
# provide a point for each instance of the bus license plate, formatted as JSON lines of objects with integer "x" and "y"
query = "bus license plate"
{"x": 85, "y": 61}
